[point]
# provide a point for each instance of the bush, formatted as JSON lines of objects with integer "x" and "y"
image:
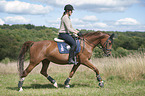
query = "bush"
{"x": 120, "y": 52}
{"x": 5, "y": 61}
{"x": 98, "y": 53}
{"x": 13, "y": 37}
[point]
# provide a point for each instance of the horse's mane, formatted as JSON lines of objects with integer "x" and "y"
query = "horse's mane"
{"x": 94, "y": 33}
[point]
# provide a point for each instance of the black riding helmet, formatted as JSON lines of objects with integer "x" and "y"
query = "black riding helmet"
{"x": 68, "y": 7}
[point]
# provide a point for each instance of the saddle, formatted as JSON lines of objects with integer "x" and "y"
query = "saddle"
{"x": 64, "y": 47}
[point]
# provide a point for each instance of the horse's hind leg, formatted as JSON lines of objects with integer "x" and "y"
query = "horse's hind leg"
{"x": 45, "y": 64}
{"x": 25, "y": 73}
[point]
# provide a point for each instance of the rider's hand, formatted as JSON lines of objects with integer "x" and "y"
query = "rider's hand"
{"x": 75, "y": 35}
{"x": 76, "y": 32}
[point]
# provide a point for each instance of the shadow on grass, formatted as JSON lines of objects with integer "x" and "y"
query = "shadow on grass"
{"x": 47, "y": 86}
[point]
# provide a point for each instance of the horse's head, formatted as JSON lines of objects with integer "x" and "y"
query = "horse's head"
{"x": 106, "y": 43}
{"x": 94, "y": 38}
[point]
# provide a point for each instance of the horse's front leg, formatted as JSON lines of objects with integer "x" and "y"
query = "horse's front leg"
{"x": 91, "y": 66}
{"x": 66, "y": 83}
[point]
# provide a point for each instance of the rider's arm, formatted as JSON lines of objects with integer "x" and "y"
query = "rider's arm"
{"x": 68, "y": 24}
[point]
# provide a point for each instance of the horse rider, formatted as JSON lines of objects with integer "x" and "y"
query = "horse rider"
{"x": 66, "y": 30}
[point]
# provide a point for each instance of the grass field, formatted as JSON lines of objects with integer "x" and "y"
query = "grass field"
{"x": 122, "y": 76}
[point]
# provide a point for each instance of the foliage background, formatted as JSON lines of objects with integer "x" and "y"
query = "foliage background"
{"x": 12, "y": 38}
{"x": 123, "y": 75}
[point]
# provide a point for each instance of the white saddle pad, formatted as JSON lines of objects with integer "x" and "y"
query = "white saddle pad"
{"x": 58, "y": 40}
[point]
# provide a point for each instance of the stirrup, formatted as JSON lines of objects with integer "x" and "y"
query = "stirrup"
{"x": 73, "y": 61}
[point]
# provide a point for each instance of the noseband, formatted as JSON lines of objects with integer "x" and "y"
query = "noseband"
{"x": 105, "y": 49}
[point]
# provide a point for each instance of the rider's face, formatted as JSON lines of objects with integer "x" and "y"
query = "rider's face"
{"x": 70, "y": 13}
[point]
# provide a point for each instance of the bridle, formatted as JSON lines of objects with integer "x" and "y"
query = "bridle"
{"x": 105, "y": 49}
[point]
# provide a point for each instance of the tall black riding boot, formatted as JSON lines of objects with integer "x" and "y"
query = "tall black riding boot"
{"x": 71, "y": 57}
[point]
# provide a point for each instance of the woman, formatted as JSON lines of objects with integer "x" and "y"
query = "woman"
{"x": 66, "y": 29}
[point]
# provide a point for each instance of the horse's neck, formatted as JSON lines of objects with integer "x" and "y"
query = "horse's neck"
{"x": 93, "y": 40}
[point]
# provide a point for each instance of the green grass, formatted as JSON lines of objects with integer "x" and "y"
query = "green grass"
{"x": 84, "y": 82}
{"x": 36, "y": 85}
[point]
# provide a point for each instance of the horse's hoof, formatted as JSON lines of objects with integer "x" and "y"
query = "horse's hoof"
{"x": 55, "y": 85}
{"x": 20, "y": 89}
{"x": 101, "y": 84}
{"x": 67, "y": 86}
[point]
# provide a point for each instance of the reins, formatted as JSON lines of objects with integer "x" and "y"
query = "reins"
{"x": 105, "y": 48}
{"x": 92, "y": 44}
{"x": 89, "y": 43}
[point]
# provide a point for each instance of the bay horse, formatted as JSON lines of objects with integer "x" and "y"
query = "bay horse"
{"x": 47, "y": 51}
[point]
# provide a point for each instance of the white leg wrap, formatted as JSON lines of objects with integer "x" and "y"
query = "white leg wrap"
{"x": 55, "y": 85}
{"x": 101, "y": 81}
{"x": 22, "y": 79}
{"x": 67, "y": 86}
{"x": 20, "y": 89}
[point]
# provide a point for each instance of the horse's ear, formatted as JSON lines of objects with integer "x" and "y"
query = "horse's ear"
{"x": 112, "y": 36}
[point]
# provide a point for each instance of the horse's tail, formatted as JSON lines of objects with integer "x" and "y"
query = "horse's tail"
{"x": 24, "y": 49}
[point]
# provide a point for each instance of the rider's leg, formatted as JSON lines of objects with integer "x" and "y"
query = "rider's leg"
{"x": 69, "y": 40}
{"x": 71, "y": 55}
